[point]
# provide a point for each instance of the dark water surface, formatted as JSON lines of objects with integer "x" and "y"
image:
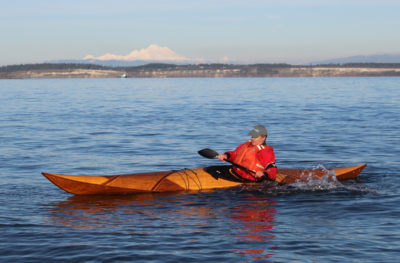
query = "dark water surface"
{"x": 114, "y": 126}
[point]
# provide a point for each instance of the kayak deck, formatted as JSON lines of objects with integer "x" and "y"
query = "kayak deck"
{"x": 187, "y": 179}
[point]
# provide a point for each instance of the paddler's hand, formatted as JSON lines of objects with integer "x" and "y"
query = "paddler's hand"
{"x": 222, "y": 157}
{"x": 259, "y": 174}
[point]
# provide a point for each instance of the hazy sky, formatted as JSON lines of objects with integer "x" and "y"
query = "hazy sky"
{"x": 290, "y": 31}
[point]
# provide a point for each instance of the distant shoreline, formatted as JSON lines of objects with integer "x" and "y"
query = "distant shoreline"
{"x": 158, "y": 70}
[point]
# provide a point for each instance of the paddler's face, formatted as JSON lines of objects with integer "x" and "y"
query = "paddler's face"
{"x": 258, "y": 140}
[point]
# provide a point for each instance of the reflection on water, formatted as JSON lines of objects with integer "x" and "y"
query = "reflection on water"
{"x": 251, "y": 219}
{"x": 242, "y": 219}
{"x": 255, "y": 221}
{"x": 99, "y": 212}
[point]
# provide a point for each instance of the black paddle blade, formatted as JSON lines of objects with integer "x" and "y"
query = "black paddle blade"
{"x": 208, "y": 153}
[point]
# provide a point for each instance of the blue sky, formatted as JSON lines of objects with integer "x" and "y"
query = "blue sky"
{"x": 288, "y": 31}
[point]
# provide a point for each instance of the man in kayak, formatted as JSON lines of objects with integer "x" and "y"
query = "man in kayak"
{"x": 254, "y": 155}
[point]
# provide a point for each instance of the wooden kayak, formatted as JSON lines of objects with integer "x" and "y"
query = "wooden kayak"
{"x": 181, "y": 180}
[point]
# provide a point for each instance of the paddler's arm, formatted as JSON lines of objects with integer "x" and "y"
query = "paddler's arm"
{"x": 267, "y": 158}
{"x": 270, "y": 171}
{"x": 230, "y": 156}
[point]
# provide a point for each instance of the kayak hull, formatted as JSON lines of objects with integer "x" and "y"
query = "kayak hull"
{"x": 181, "y": 180}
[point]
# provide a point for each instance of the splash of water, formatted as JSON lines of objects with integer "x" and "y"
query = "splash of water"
{"x": 311, "y": 183}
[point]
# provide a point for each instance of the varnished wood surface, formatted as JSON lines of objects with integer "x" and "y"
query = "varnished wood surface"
{"x": 188, "y": 179}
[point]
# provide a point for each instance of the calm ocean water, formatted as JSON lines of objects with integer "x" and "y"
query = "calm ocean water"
{"x": 114, "y": 126}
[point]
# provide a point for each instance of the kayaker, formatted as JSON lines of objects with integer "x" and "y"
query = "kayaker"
{"x": 255, "y": 155}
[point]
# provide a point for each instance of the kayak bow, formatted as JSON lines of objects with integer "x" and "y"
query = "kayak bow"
{"x": 187, "y": 179}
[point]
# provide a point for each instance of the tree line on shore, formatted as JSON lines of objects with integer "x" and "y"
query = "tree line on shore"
{"x": 166, "y": 66}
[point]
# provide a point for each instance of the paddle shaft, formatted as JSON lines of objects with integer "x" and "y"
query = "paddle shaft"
{"x": 241, "y": 167}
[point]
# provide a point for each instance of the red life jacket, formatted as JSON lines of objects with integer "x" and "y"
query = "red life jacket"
{"x": 246, "y": 156}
